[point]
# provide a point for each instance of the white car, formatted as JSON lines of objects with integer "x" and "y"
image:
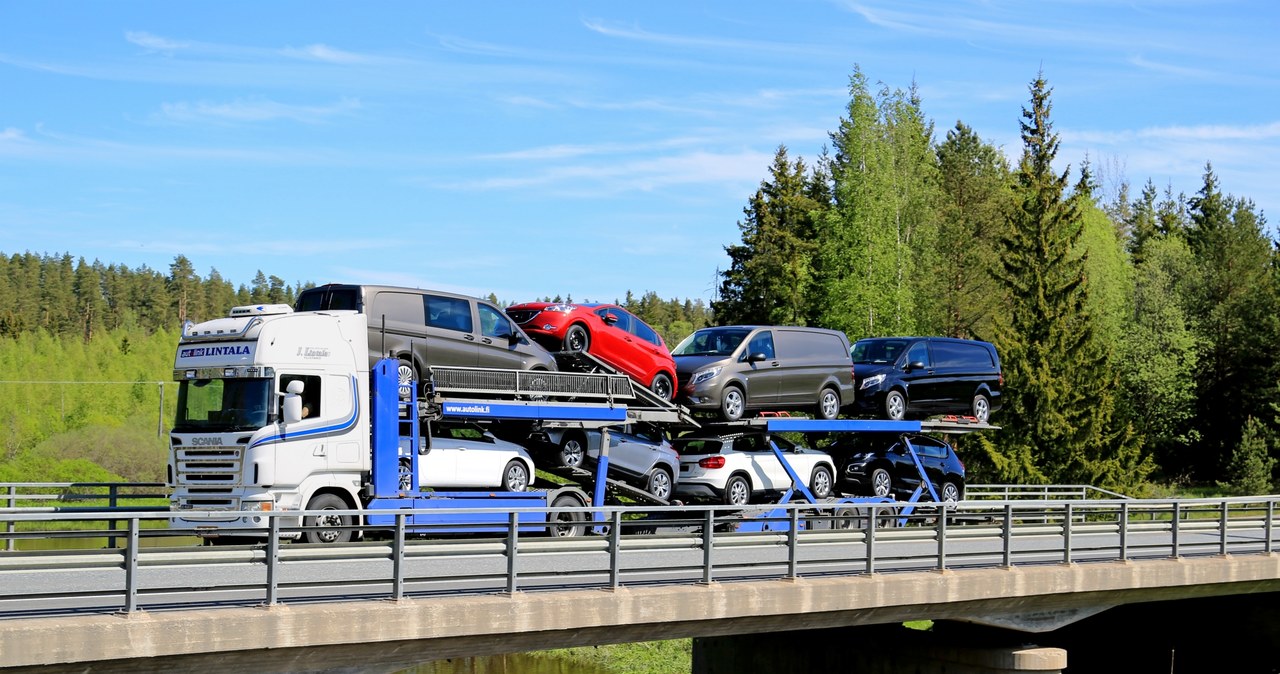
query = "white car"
{"x": 740, "y": 468}
{"x": 639, "y": 453}
{"x": 465, "y": 456}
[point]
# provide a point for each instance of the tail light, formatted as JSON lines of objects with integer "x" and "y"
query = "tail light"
{"x": 716, "y": 461}
{"x": 1000, "y": 379}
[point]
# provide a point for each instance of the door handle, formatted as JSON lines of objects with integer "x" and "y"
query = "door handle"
{"x": 486, "y": 340}
{"x": 469, "y": 337}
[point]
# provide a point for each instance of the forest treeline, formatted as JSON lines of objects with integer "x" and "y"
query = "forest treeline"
{"x": 1138, "y": 332}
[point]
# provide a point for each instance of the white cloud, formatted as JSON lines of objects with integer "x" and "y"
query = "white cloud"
{"x": 255, "y": 111}
{"x": 154, "y": 42}
{"x": 327, "y": 54}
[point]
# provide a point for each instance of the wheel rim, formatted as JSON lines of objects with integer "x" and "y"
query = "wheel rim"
{"x": 738, "y": 494}
{"x": 404, "y": 373}
{"x": 406, "y": 475}
{"x": 880, "y": 483}
{"x": 662, "y": 386}
{"x": 732, "y": 403}
{"x": 517, "y": 477}
{"x": 327, "y": 520}
{"x": 896, "y": 406}
{"x": 660, "y": 484}
{"x": 821, "y": 486}
{"x": 950, "y": 494}
{"x": 830, "y": 404}
{"x": 571, "y": 453}
{"x": 576, "y": 340}
{"x": 981, "y": 408}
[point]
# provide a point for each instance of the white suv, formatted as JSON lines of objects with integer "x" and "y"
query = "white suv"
{"x": 740, "y": 468}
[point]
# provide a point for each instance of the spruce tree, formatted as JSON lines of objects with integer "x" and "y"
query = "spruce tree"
{"x": 1059, "y": 387}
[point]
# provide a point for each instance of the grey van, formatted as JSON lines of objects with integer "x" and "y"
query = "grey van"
{"x": 429, "y": 327}
{"x": 901, "y": 377}
{"x": 733, "y": 369}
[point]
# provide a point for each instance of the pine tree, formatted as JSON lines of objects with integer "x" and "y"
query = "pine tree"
{"x": 1059, "y": 388}
{"x": 770, "y": 277}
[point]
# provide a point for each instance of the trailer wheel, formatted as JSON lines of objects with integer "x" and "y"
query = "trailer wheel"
{"x": 844, "y": 519}
{"x": 566, "y": 524}
{"x": 316, "y": 533}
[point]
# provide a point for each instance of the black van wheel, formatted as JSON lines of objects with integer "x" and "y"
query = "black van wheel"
{"x": 828, "y": 404}
{"x": 895, "y": 405}
{"x": 981, "y": 408}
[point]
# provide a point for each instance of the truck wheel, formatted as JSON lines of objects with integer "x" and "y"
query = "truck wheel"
{"x": 566, "y": 524}
{"x": 828, "y": 404}
{"x": 732, "y": 403}
{"x": 820, "y": 482}
{"x": 317, "y": 531}
{"x": 515, "y": 477}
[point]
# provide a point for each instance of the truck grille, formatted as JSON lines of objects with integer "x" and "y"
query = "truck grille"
{"x": 208, "y": 477}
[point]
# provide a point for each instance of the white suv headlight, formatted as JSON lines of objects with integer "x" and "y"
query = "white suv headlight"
{"x": 705, "y": 375}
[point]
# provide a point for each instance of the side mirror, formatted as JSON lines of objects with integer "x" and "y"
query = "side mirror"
{"x": 610, "y": 319}
{"x": 514, "y": 338}
{"x": 918, "y": 365}
{"x": 756, "y": 357}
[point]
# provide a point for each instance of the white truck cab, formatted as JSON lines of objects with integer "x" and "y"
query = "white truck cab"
{"x": 234, "y": 447}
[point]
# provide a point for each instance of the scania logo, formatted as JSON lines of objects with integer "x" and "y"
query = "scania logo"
{"x": 205, "y": 442}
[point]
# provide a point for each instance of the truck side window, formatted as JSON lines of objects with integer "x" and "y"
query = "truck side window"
{"x": 310, "y": 393}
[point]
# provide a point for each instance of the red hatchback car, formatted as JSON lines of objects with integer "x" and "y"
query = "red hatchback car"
{"x": 606, "y": 331}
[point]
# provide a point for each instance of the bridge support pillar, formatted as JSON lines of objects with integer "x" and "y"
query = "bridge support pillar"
{"x": 872, "y": 649}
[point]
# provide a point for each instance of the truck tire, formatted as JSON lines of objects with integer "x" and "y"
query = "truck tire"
{"x": 316, "y": 524}
{"x": 563, "y": 524}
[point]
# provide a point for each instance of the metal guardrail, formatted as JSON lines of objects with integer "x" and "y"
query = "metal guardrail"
{"x": 529, "y": 383}
{"x": 88, "y": 497}
{"x": 1038, "y": 491}
{"x": 663, "y": 545}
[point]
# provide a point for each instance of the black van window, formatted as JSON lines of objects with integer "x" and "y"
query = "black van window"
{"x": 960, "y": 354}
{"x": 918, "y": 353}
{"x": 450, "y": 313}
{"x": 761, "y": 343}
{"x": 878, "y": 350}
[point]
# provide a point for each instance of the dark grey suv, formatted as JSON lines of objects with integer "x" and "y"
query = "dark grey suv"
{"x": 880, "y": 465}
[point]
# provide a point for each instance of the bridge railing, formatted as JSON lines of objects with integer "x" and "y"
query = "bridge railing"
{"x": 62, "y": 497}
{"x": 158, "y": 566}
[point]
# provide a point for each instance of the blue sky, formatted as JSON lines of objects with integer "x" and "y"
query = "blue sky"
{"x": 573, "y": 148}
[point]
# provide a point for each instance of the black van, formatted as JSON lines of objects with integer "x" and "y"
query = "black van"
{"x": 901, "y": 377}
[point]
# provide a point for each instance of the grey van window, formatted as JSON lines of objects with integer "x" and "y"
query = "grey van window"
{"x": 918, "y": 353}
{"x": 810, "y": 344}
{"x": 493, "y": 323}
{"x": 450, "y": 313}
{"x": 959, "y": 354}
{"x": 397, "y": 307}
{"x": 761, "y": 343}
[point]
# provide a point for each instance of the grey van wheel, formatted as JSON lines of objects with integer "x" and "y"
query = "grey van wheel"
{"x": 895, "y": 405}
{"x": 828, "y": 404}
{"x": 732, "y": 403}
{"x": 981, "y": 408}
{"x": 406, "y": 373}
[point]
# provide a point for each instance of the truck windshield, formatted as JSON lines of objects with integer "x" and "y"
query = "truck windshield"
{"x": 222, "y": 404}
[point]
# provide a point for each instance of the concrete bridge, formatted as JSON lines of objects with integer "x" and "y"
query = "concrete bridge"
{"x": 793, "y": 599}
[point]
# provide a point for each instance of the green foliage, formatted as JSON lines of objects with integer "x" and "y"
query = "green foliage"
{"x": 651, "y": 657}
{"x": 1059, "y": 396}
{"x": 1251, "y": 462}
